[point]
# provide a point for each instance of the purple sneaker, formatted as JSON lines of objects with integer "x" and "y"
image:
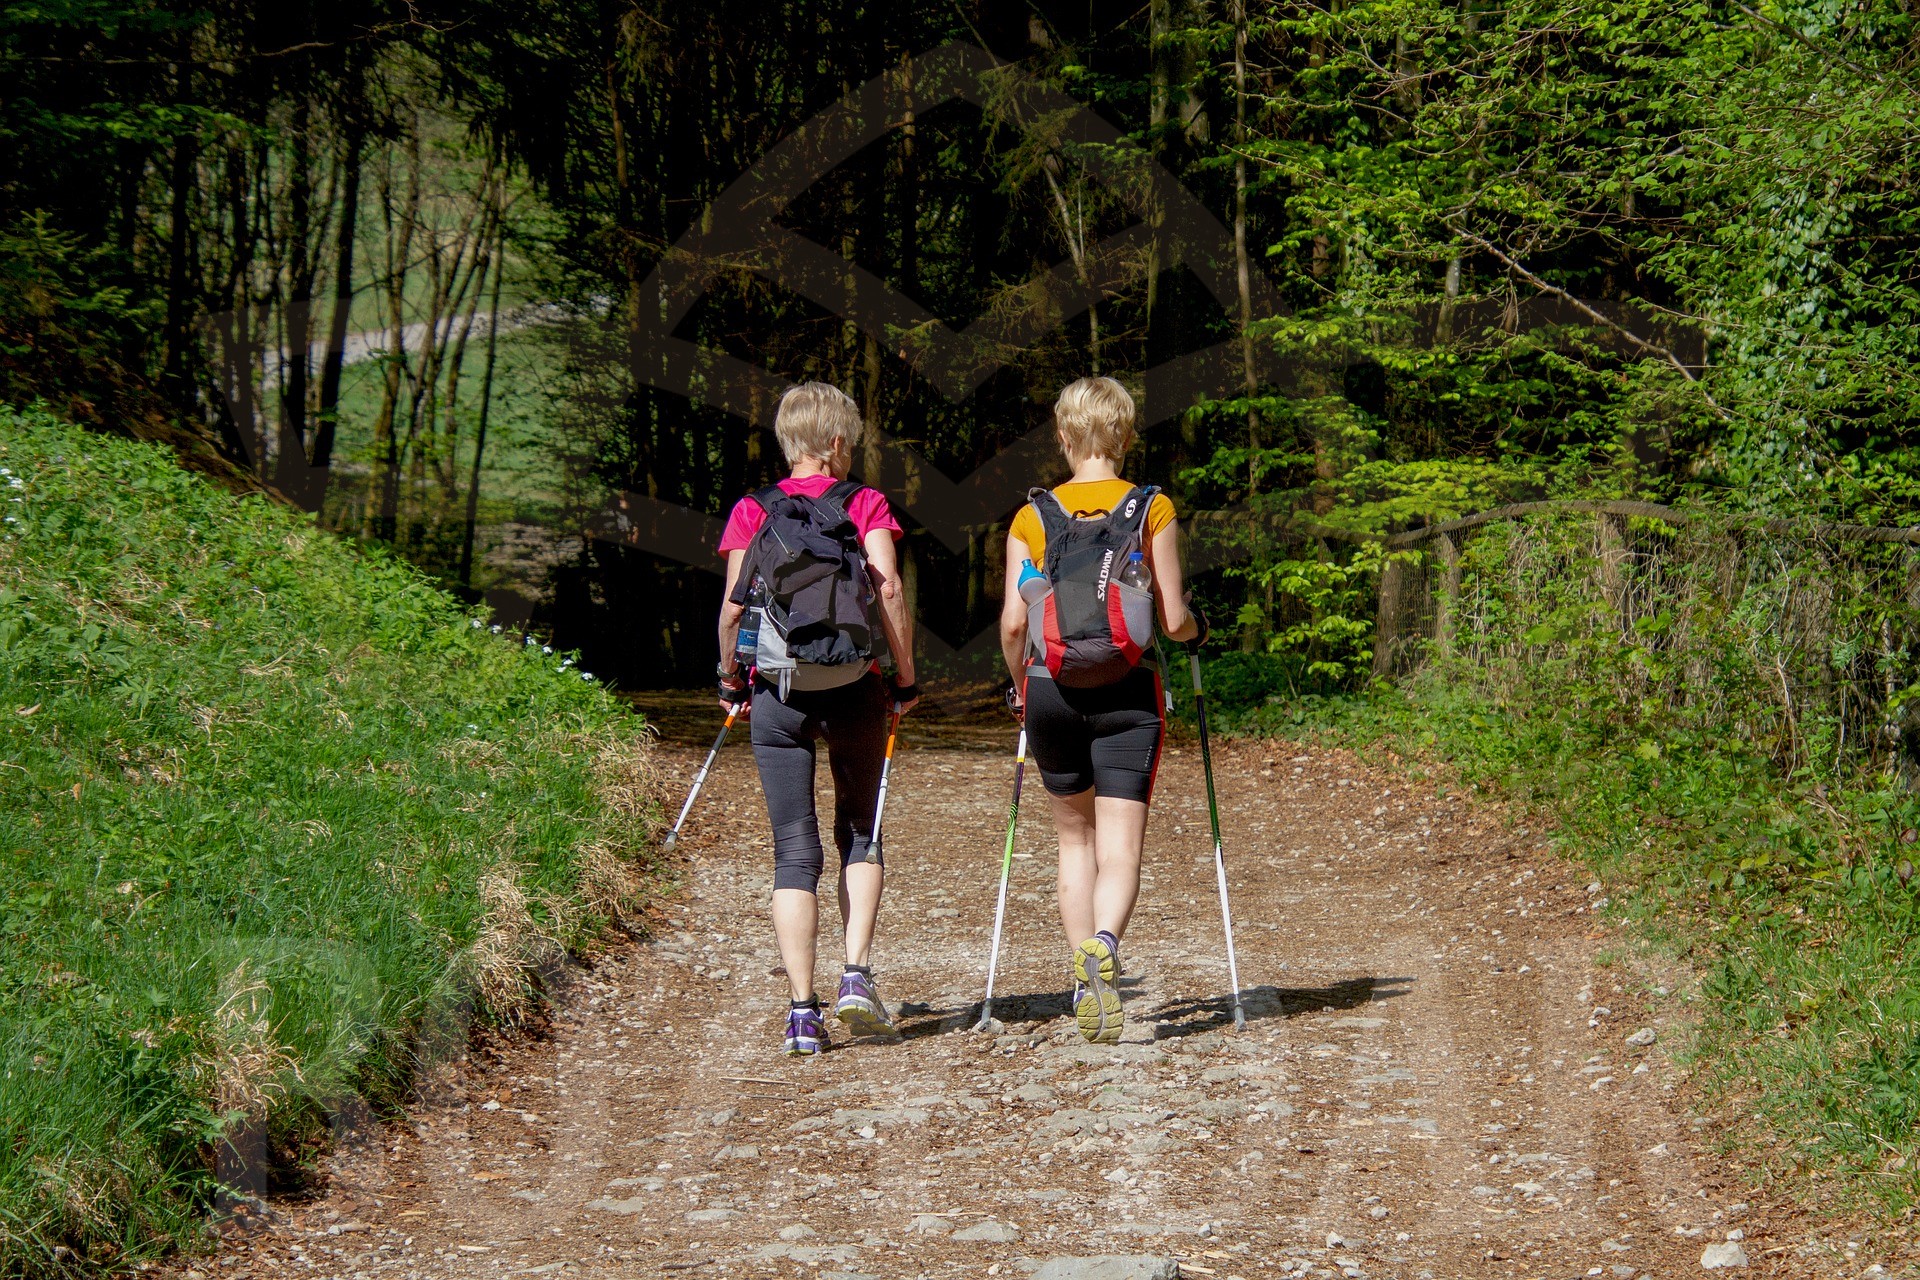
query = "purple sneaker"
{"x": 861, "y": 1008}
{"x": 806, "y": 1032}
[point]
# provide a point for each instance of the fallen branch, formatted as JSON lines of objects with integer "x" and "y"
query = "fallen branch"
{"x": 1644, "y": 344}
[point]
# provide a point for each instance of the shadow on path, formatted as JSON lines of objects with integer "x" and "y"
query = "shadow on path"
{"x": 1171, "y": 1020}
{"x": 1192, "y": 1017}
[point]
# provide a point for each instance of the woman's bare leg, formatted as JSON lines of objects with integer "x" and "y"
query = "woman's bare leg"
{"x": 1073, "y": 820}
{"x": 1120, "y": 832}
{"x": 796, "y": 923}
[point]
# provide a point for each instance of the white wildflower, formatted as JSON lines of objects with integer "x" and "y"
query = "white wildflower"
{"x": 495, "y": 628}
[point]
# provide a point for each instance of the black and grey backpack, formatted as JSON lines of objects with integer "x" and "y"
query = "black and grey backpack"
{"x": 820, "y": 598}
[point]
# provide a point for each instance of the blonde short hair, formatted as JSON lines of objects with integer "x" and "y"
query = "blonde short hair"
{"x": 810, "y": 416}
{"x": 1094, "y": 416}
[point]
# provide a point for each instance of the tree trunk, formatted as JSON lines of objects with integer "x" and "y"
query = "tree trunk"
{"x": 1244, "y": 267}
{"x": 1612, "y": 532}
{"x": 909, "y": 188}
{"x": 872, "y": 453}
{"x": 335, "y": 360}
{"x": 383, "y": 489}
{"x": 1160, "y": 95}
{"x": 1386, "y": 638}
{"x": 480, "y": 429}
{"x": 1446, "y": 609}
{"x": 1450, "y": 295}
{"x": 186, "y": 150}
{"x": 295, "y": 359}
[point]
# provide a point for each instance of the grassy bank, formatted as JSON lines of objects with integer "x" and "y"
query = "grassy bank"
{"x": 1790, "y": 897}
{"x": 275, "y": 817}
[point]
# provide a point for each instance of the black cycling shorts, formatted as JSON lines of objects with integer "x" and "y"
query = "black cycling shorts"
{"x": 1107, "y": 739}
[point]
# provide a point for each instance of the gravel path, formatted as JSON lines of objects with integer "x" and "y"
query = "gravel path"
{"x": 1436, "y": 1080}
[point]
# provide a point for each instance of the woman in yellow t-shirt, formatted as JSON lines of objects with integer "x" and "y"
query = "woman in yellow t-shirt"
{"x": 1097, "y": 747}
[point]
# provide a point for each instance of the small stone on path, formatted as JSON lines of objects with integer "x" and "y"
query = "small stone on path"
{"x": 1642, "y": 1038}
{"x": 1716, "y": 1257}
{"x": 989, "y": 1232}
{"x": 635, "y": 1205}
{"x": 1112, "y": 1266}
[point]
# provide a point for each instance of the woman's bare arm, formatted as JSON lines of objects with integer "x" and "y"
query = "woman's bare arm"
{"x": 1013, "y": 615}
{"x": 731, "y": 613}
{"x": 1177, "y": 622}
{"x": 884, "y": 562}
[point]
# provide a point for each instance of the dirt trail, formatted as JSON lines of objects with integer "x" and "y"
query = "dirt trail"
{"x": 1435, "y": 1083}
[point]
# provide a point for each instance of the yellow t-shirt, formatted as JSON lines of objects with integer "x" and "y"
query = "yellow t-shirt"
{"x": 1091, "y": 497}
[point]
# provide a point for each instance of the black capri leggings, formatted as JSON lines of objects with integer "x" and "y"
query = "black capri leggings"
{"x": 1106, "y": 738}
{"x": 853, "y": 721}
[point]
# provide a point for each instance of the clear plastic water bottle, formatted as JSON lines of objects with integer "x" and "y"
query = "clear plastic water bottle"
{"x": 1135, "y": 575}
{"x": 1033, "y": 584}
{"x": 747, "y": 647}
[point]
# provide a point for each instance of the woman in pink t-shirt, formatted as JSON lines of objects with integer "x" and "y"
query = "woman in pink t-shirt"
{"x": 844, "y": 706}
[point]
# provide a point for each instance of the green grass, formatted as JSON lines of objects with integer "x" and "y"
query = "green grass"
{"x": 1783, "y": 895}
{"x": 276, "y": 817}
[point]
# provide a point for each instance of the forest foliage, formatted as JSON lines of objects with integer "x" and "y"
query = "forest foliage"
{"x": 1615, "y": 249}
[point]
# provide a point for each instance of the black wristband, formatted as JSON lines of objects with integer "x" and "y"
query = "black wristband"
{"x": 735, "y": 688}
{"x": 903, "y": 692}
{"x": 1201, "y": 636}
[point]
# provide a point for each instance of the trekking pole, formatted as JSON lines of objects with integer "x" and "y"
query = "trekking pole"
{"x": 700, "y": 778}
{"x": 1219, "y": 854}
{"x": 1006, "y": 869}
{"x": 886, "y": 772}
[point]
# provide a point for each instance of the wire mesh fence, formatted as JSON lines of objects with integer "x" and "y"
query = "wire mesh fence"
{"x": 1797, "y": 639}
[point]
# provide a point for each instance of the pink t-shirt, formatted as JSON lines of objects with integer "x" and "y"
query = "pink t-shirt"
{"x": 868, "y": 510}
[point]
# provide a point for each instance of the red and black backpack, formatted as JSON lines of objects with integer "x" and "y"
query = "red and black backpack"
{"x": 1091, "y": 629}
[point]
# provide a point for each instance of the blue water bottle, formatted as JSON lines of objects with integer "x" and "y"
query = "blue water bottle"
{"x": 747, "y": 648}
{"x": 1033, "y": 585}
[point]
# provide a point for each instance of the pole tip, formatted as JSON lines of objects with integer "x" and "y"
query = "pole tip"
{"x": 671, "y": 837}
{"x": 1239, "y": 1018}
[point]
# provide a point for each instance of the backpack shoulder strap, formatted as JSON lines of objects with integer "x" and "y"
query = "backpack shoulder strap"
{"x": 1129, "y": 515}
{"x": 833, "y": 514}
{"x": 842, "y": 491}
{"x": 1052, "y": 512}
{"x": 768, "y": 496}
{"x": 1055, "y": 522}
{"x": 839, "y": 497}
